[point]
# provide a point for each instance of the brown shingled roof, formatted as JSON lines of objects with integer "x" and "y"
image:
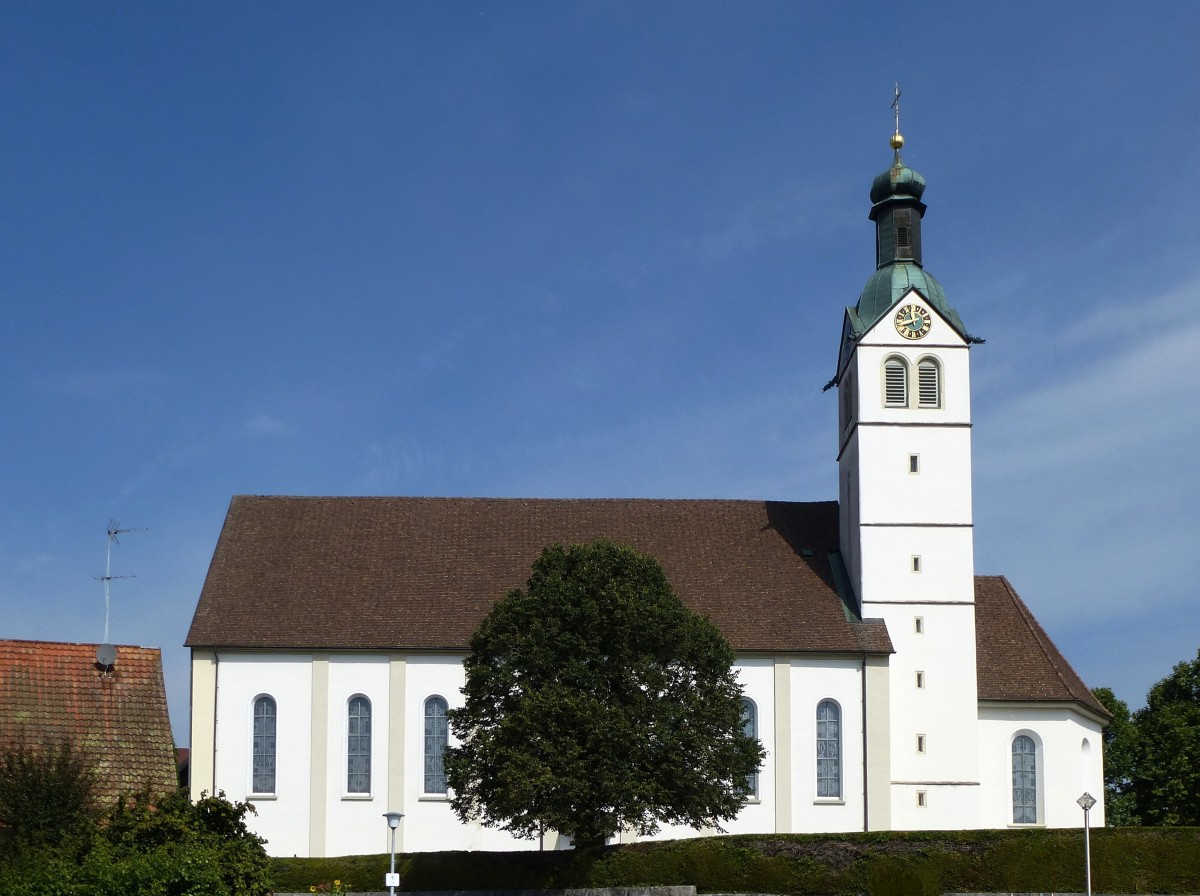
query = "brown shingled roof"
{"x": 420, "y": 573}
{"x": 51, "y": 692}
{"x": 1015, "y": 658}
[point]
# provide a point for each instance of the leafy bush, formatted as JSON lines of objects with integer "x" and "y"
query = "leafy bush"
{"x": 47, "y": 794}
{"x": 171, "y": 847}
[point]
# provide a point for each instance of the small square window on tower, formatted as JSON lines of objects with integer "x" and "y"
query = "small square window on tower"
{"x": 914, "y": 463}
{"x": 920, "y": 743}
{"x": 916, "y": 563}
{"x": 922, "y": 799}
{"x": 920, "y": 679}
{"x": 919, "y": 625}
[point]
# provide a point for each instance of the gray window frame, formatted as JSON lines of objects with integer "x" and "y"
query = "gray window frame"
{"x": 1024, "y": 779}
{"x": 358, "y": 744}
{"x": 264, "y": 751}
{"x": 437, "y": 738}
{"x": 829, "y": 750}
{"x": 750, "y": 729}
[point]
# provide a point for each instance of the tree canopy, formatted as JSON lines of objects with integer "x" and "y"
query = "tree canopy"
{"x": 1166, "y": 768}
{"x": 595, "y": 701}
{"x": 1152, "y": 758}
{"x": 1120, "y": 743}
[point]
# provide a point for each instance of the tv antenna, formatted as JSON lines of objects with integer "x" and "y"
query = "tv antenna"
{"x": 114, "y": 529}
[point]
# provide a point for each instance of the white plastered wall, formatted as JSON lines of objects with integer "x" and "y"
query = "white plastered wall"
{"x": 283, "y": 818}
{"x": 355, "y": 821}
{"x": 1069, "y": 762}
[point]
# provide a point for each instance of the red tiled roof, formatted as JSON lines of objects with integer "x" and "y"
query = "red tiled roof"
{"x": 386, "y": 573}
{"x": 51, "y": 692}
{"x": 1015, "y": 658}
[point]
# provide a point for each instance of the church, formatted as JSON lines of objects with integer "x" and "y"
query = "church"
{"x": 891, "y": 687}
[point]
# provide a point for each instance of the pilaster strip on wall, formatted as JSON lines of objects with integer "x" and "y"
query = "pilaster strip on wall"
{"x": 203, "y": 760}
{"x": 397, "y": 667}
{"x": 877, "y": 718}
{"x": 782, "y": 760}
{"x": 318, "y": 784}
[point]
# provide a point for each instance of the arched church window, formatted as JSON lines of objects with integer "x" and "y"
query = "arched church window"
{"x": 829, "y": 750}
{"x": 358, "y": 745}
{"x": 895, "y": 383}
{"x": 1024, "y": 780}
{"x": 262, "y": 772}
{"x": 750, "y": 727}
{"x": 929, "y": 383}
{"x": 437, "y": 731}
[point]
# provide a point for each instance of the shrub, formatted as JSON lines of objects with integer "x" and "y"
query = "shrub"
{"x": 47, "y": 794}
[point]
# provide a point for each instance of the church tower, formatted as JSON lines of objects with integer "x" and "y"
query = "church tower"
{"x": 904, "y": 455}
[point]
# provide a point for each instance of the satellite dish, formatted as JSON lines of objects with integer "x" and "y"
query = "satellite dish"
{"x": 106, "y": 656}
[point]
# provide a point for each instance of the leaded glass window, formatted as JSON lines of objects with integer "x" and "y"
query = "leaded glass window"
{"x": 437, "y": 731}
{"x": 750, "y": 727}
{"x": 262, "y": 773}
{"x": 358, "y": 745}
{"x": 829, "y": 750}
{"x": 1024, "y": 780}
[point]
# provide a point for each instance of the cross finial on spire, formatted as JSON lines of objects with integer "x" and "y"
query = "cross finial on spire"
{"x": 897, "y": 140}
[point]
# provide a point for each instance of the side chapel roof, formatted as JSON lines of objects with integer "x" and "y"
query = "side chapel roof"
{"x": 420, "y": 573}
{"x": 1015, "y": 658}
{"x": 52, "y": 692}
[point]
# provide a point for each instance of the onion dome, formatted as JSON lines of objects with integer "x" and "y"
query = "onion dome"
{"x": 899, "y": 180}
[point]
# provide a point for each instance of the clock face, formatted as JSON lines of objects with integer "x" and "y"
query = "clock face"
{"x": 913, "y": 321}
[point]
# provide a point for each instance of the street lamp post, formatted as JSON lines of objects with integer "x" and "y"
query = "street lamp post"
{"x": 393, "y": 879}
{"x": 1085, "y": 803}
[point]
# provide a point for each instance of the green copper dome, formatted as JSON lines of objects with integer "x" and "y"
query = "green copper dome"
{"x": 889, "y": 284}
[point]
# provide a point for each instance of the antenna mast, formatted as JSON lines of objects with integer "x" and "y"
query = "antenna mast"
{"x": 113, "y": 531}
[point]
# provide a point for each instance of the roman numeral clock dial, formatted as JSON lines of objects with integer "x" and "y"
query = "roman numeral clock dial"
{"x": 913, "y": 321}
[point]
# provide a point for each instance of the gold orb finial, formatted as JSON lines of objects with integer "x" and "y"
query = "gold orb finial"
{"x": 896, "y": 141}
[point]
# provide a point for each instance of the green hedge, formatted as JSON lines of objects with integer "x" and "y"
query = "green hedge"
{"x": 1124, "y": 860}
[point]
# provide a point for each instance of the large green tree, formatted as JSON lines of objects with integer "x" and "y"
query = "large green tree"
{"x": 597, "y": 702}
{"x": 1120, "y": 754}
{"x": 1166, "y": 768}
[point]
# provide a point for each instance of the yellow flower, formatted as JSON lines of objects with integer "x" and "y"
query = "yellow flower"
{"x": 312, "y": 889}
{"x": 337, "y": 883}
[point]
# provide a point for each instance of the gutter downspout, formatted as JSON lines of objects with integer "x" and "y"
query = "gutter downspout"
{"x": 216, "y": 690}
{"x": 866, "y": 797}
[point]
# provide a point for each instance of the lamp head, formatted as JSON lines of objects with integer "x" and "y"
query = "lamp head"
{"x": 393, "y": 819}
{"x": 1086, "y": 802}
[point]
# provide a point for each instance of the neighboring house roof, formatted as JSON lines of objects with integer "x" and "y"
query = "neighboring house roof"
{"x": 1015, "y": 658}
{"x": 421, "y": 573}
{"x": 52, "y": 692}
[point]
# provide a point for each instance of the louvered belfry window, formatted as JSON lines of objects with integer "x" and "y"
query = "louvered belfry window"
{"x": 895, "y": 383}
{"x": 929, "y": 384}
{"x": 358, "y": 746}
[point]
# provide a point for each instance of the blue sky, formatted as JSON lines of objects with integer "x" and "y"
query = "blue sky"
{"x": 585, "y": 249}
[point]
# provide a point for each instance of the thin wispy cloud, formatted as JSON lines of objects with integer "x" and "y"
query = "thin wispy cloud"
{"x": 267, "y": 425}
